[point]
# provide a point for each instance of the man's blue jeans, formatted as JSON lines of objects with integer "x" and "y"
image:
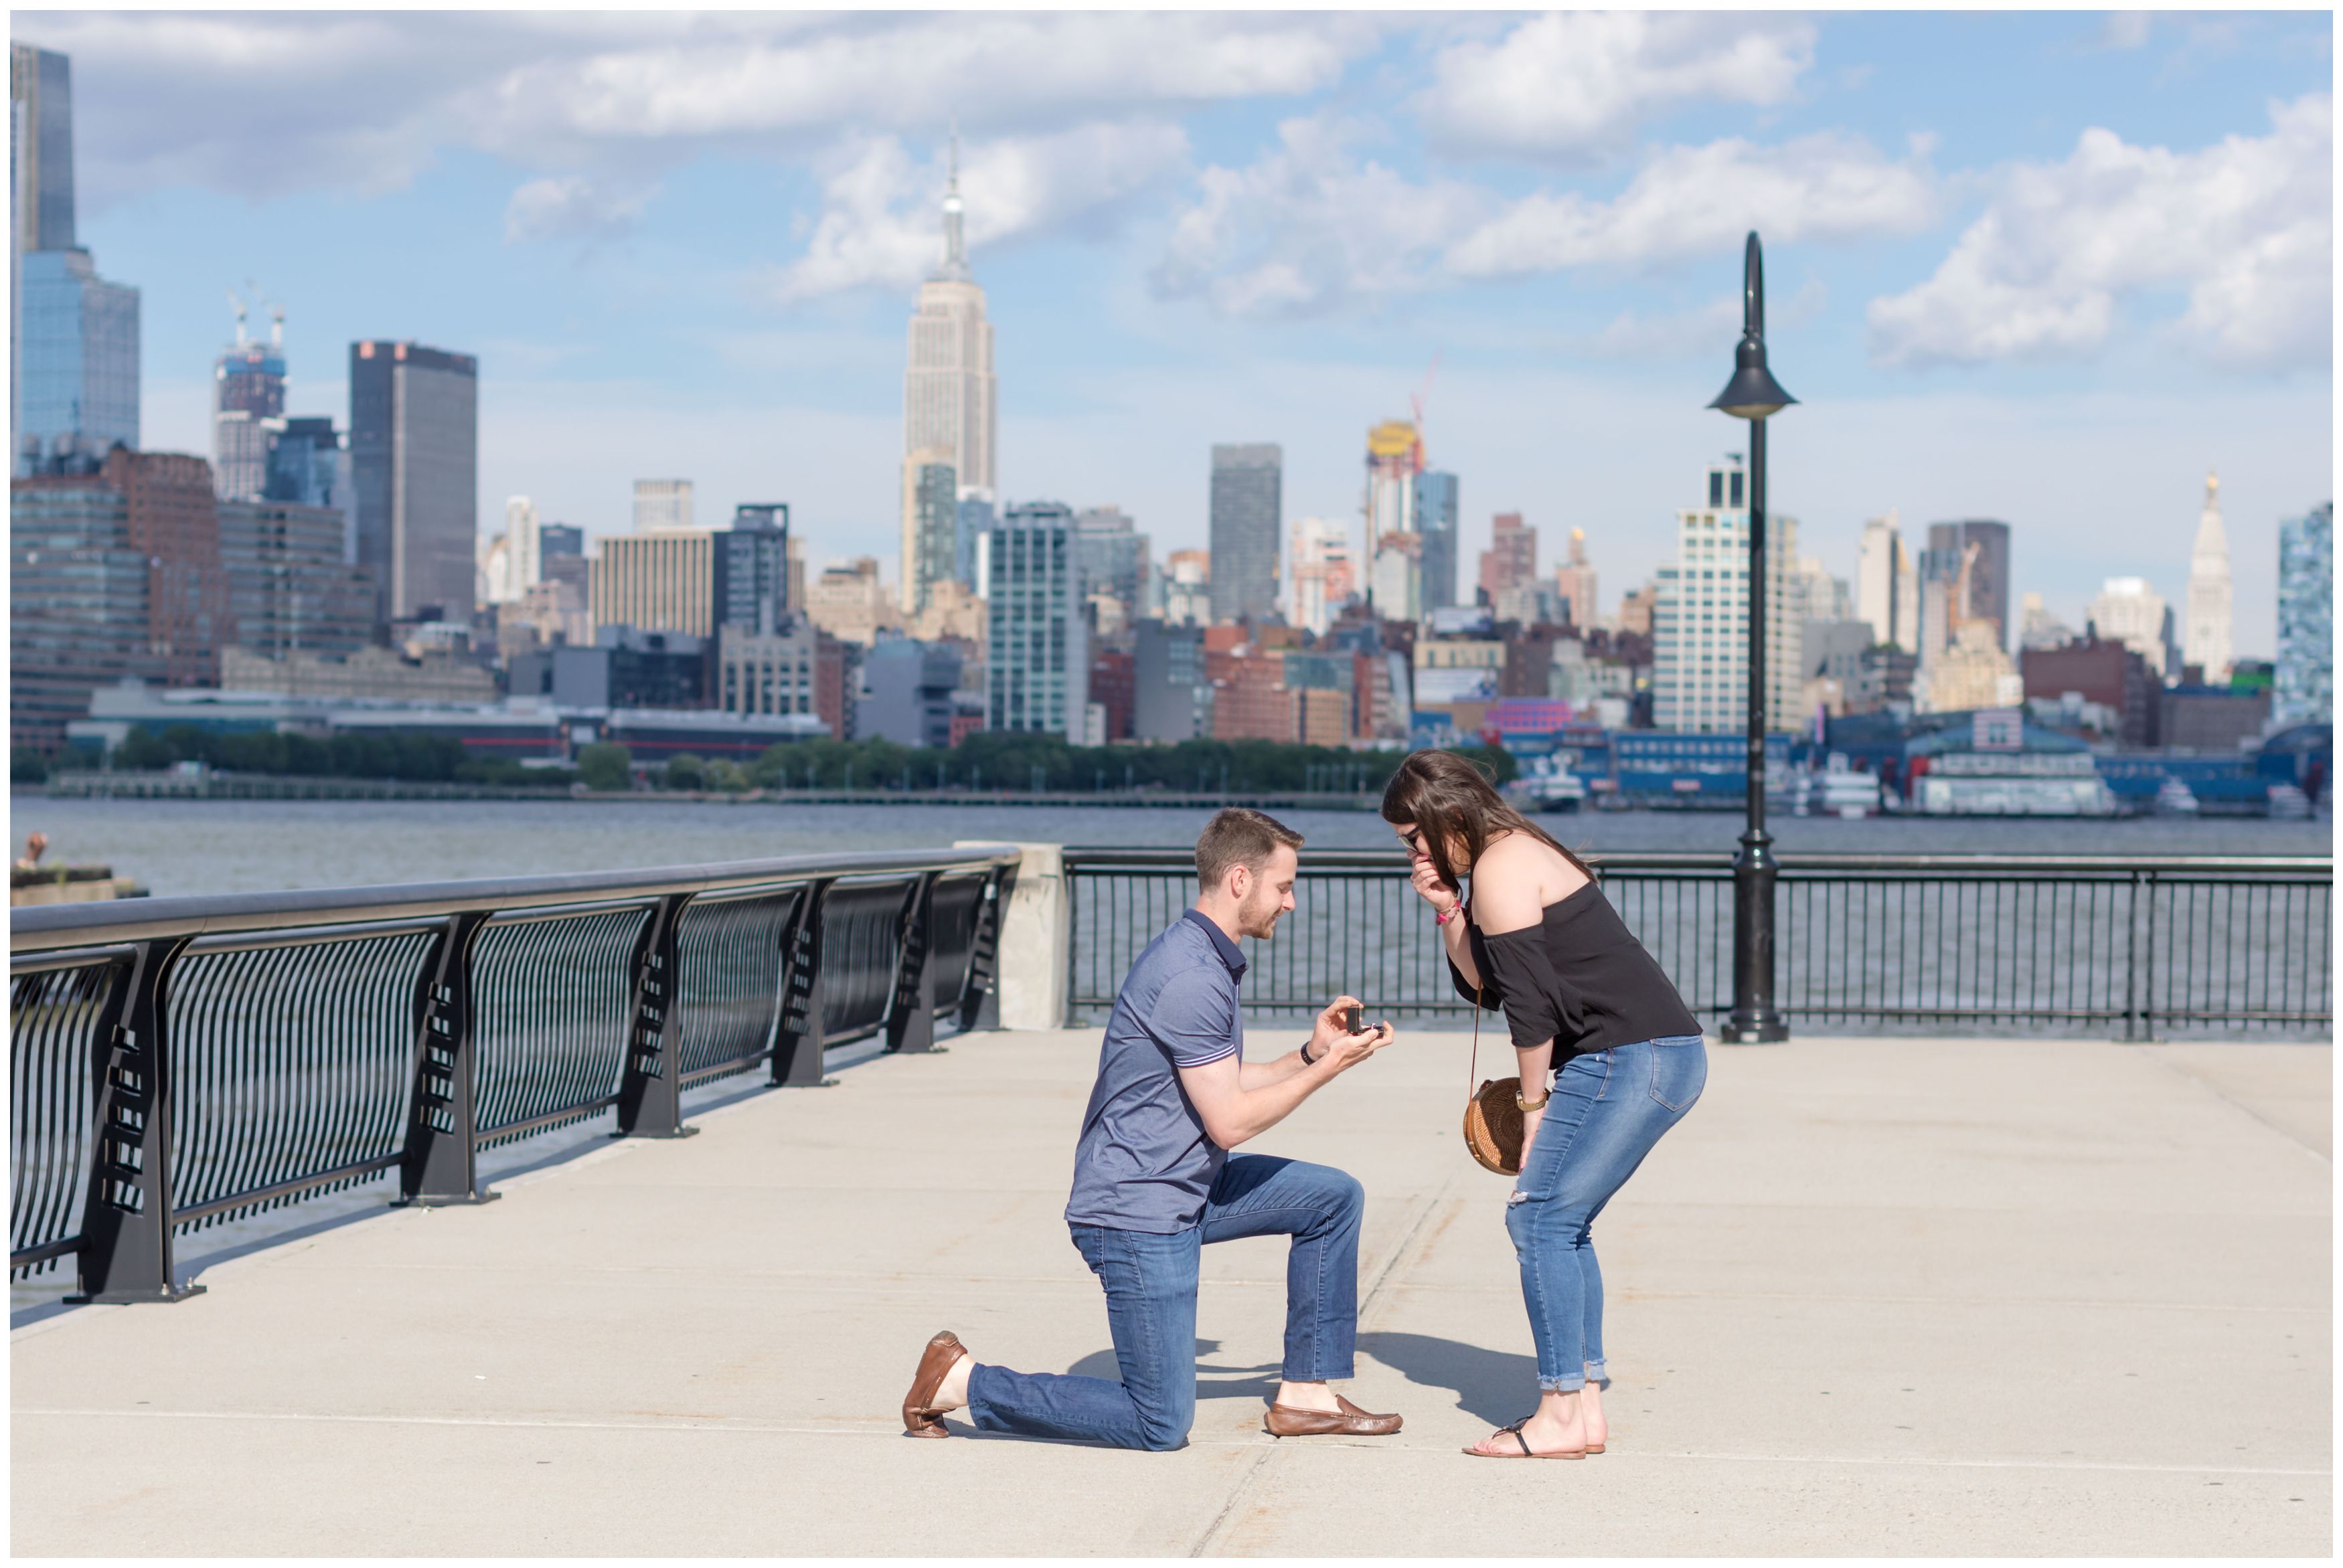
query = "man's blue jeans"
{"x": 1609, "y": 1108}
{"x": 1150, "y": 1309}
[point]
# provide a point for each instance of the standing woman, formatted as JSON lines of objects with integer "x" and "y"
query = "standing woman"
{"x": 1587, "y": 1007}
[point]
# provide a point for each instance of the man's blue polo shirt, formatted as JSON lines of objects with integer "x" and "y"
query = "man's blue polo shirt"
{"x": 1143, "y": 1162}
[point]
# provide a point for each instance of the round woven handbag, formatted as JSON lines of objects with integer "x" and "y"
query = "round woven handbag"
{"x": 1493, "y": 1112}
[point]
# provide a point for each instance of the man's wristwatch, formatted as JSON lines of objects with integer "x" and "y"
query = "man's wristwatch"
{"x": 1307, "y": 1060}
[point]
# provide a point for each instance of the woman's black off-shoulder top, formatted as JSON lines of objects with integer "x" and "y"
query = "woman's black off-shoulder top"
{"x": 1578, "y": 977}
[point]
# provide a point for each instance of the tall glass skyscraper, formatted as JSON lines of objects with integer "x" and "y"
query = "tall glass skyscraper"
{"x": 930, "y": 525}
{"x": 1435, "y": 520}
{"x": 40, "y": 143}
{"x": 74, "y": 352}
{"x": 77, "y": 362}
{"x": 2303, "y": 689}
{"x": 976, "y": 517}
{"x": 1113, "y": 557}
{"x": 1248, "y": 516}
{"x": 415, "y": 442}
{"x": 309, "y": 463}
{"x": 1037, "y": 649}
{"x": 752, "y": 568}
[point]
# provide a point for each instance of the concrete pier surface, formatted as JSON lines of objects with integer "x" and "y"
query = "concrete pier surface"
{"x": 1916, "y": 1296}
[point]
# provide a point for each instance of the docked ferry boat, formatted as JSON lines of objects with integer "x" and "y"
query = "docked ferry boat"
{"x": 2012, "y": 784}
{"x": 1840, "y": 791}
{"x": 1547, "y": 784}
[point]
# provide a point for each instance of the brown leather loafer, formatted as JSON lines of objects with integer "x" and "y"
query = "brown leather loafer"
{"x": 920, "y": 1418}
{"x": 1284, "y": 1420}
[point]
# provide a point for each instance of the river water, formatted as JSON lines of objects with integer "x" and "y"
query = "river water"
{"x": 193, "y": 847}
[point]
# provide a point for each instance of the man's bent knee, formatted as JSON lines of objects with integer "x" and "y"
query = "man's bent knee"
{"x": 1342, "y": 1195}
{"x": 1161, "y": 1432}
{"x": 1166, "y": 1426}
{"x": 1157, "y": 1439}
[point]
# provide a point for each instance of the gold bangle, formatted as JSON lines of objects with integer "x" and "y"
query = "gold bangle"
{"x": 1537, "y": 1104}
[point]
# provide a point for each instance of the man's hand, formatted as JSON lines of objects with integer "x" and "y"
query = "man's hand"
{"x": 1233, "y": 1114}
{"x": 1350, "y": 1049}
{"x": 1328, "y": 1027}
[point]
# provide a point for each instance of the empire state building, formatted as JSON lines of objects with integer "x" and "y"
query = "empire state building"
{"x": 947, "y": 409}
{"x": 2206, "y": 637}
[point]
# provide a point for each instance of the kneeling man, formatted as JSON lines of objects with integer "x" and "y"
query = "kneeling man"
{"x": 1153, "y": 1183}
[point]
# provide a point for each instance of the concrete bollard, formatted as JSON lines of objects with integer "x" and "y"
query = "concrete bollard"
{"x": 1036, "y": 936}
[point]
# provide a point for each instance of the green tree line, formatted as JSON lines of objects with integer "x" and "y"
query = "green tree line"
{"x": 407, "y": 757}
{"x": 1019, "y": 761}
{"x": 988, "y": 760}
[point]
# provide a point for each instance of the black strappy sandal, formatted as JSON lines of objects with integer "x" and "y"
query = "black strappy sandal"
{"x": 1527, "y": 1452}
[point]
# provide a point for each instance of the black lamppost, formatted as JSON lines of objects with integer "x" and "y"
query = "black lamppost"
{"x": 1753, "y": 395}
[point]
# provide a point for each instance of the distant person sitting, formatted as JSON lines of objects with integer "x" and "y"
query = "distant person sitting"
{"x": 1153, "y": 1183}
{"x": 37, "y": 844}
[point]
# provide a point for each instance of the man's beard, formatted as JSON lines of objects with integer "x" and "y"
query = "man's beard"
{"x": 1259, "y": 920}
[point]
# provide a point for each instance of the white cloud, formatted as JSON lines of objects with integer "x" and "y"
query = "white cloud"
{"x": 1308, "y": 227}
{"x": 1689, "y": 201}
{"x": 1571, "y": 82}
{"x": 997, "y": 68}
{"x": 260, "y": 104}
{"x": 572, "y": 207}
{"x": 2245, "y": 226}
{"x": 1707, "y": 331}
{"x": 2125, "y": 29}
{"x": 881, "y": 222}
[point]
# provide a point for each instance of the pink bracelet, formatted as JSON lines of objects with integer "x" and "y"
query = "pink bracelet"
{"x": 1441, "y": 917}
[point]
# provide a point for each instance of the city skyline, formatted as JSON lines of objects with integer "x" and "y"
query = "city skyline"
{"x": 1138, "y": 345}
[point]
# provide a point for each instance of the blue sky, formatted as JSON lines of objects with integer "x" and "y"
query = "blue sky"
{"x": 2043, "y": 267}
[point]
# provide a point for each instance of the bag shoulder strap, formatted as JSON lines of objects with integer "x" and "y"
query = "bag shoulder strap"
{"x": 1480, "y": 992}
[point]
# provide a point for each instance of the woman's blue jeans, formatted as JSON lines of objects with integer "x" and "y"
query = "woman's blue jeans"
{"x": 1150, "y": 1309}
{"x": 1608, "y": 1109}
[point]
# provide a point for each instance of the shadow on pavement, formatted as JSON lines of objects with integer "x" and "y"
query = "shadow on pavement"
{"x": 1494, "y": 1385}
{"x": 1212, "y": 1382}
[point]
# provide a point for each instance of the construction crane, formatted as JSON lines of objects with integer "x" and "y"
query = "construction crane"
{"x": 1416, "y": 402}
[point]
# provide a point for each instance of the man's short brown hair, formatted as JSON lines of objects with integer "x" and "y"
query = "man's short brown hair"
{"x": 1238, "y": 837}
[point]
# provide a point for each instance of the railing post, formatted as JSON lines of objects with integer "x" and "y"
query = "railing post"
{"x": 796, "y": 1039}
{"x": 2131, "y": 962}
{"x": 2147, "y": 974}
{"x": 1036, "y": 940}
{"x": 440, "y": 1164}
{"x": 911, "y": 1017}
{"x": 125, "y": 1224}
{"x": 979, "y": 996}
{"x": 650, "y": 1084}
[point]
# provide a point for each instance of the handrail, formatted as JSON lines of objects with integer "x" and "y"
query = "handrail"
{"x": 62, "y": 926}
{"x": 1137, "y": 857}
{"x": 2000, "y": 941}
{"x": 183, "y": 1062}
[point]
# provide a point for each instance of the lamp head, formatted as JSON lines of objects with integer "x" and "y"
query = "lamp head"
{"x": 1752, "y": 393}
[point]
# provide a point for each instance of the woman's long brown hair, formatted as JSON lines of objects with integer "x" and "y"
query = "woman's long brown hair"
{"x": 1451, "y": 801}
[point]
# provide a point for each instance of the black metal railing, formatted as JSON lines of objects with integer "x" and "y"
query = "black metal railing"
{"x": 2140, "y": 949}
{"x": 179, "y": 1063}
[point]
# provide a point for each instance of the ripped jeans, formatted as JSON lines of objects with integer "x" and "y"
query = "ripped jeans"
{"x": 1608, "y": 1109}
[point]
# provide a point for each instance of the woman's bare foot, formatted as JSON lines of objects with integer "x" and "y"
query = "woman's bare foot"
{"x": 1558, "y": 1427}
{"x": 1598, "y": 1430}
